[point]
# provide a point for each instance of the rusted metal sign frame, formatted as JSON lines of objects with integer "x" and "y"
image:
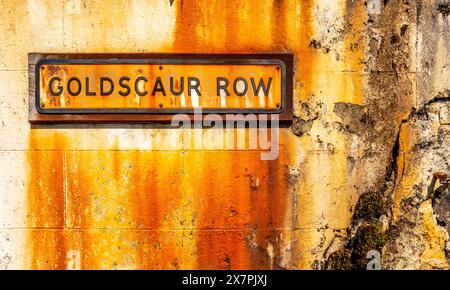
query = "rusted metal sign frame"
{"x": 129, "y": 115}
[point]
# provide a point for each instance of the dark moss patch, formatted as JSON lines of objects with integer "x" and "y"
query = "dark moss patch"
{"x": 369, "y": 206}
{"x": 367, "y": 238}
{"x": 369, "y": 235}
{"x": 339, "y": 260}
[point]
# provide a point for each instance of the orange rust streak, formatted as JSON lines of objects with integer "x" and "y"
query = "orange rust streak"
{"x": 81, "y": 187}
{"x": 305, "y": 63}
{"x": 270, "y": 207}
{"x": 240, "y": 207}
{"x": 278, "y": 22}
{"x": 148, "y": 206}
{"x": 187, "y": 20}
{"x": 46, "y": 205}
{"x": 155, "y": 197}
{"x": 222, "y": 207}
{"x": 144, "y": 188}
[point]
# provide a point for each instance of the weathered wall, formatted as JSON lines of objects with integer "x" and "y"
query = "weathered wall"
{"x": 371, "y": 127}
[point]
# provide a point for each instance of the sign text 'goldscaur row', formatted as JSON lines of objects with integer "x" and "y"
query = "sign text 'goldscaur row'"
{"x": 105, "y": 86}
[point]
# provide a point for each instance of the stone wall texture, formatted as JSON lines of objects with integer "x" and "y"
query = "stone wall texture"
{"x": 371, "y": 127}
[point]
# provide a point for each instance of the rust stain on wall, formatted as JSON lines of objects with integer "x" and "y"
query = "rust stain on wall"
{"x": 279, "y": 23}
{"x": 46, "y": 205}
{"x": 240, "y": 211}
{"x": 188, "y": 18}
{"x": 305, "y": 64}
{"x": 180, "y": 208}
{"x": 235, "y": 213}
{"x": 233, "y": 218}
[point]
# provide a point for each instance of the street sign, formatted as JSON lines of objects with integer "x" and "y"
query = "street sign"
{"x": 150, "y": 87}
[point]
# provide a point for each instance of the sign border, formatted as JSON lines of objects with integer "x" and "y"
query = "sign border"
{"x": 37, "y": 114}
